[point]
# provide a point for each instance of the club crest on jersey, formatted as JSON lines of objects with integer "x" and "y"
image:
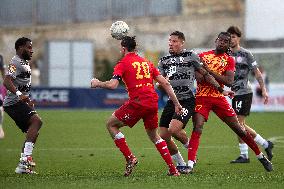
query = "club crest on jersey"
{"x": 239, "y": 59}
{"x": 223, "y": 62}
{"x": 181, "y": 59}
{"x": 12, "y": 69}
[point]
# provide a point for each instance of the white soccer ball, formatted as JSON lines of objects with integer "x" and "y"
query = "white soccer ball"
{"x": 119, "y": 29}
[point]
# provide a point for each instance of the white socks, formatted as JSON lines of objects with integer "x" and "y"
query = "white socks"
{"x": 178, "y": 159}
{"x": 118, "y": 136}
{"x": 261, "y": 141}
{"x": 28, "y": 149}
{"x": 190, "y": 163}
{"x": 259, "y": 156}
{"x": 244, "y": 150}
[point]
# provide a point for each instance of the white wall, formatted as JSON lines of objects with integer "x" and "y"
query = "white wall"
{"x": 264, "y": 20}
{"x": 70, "y": 63}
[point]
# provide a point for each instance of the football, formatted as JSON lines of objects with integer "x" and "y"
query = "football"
{"x": 119, "y": 29}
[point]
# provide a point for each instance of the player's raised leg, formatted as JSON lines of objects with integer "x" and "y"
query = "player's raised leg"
{"x": 233, "y": 123}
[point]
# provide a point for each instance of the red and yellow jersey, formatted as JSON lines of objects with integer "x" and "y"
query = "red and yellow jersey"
{"x": 218, "y": 64}
{"x": 137, "y": 73}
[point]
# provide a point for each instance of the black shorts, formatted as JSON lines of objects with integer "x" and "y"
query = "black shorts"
{"x": 242, "y": 104}
{"x": 21, "y": 113}
{"x": 169, "y": 112}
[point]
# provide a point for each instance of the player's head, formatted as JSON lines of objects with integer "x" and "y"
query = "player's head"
{"x": 128, "y": 44}
{"x": 236, "y": 35}
{"x": 176, "y": 42}
{"x": 24, "y": 48}
{"x": 223, "y": 42}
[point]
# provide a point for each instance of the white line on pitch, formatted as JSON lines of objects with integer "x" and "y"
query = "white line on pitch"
{"x": 103, "y": 149}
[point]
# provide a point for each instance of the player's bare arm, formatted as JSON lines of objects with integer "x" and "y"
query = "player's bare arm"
{"x": 111, "y": 84}
{"x": 159, "y": 86}
{"x": 169, "y": 90}
{"x": 227, "y": 79}
{"x": 259, "y": 78}
{"x": 199, "y": 77}
{"x": 210, "y": 79}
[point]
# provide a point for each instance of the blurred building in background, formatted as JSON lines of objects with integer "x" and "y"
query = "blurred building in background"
{"x": 72, "y": 42}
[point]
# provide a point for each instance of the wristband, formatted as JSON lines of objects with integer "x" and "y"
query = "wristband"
{"x": 220, "y": 89}
{"x": 19, "y": 93}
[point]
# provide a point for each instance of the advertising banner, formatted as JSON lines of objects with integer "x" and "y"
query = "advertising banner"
{"x": 78, "y": 97}
{"x": 103, "y": 98}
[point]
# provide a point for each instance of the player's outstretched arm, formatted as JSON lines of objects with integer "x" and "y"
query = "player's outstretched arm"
{"x": 210, "y": 79}
{"x": 226, "y": 79}
{"x": 111, "y": 84}
{"x": 201, "y": 72}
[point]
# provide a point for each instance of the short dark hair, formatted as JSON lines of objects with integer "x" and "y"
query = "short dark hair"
{"x": 129, "y": 43}
{"x": 225, "y": 33}
{"x": 21, "y": 41}
{"x": 179, "y": 34}
{"x": 235, "y": 30}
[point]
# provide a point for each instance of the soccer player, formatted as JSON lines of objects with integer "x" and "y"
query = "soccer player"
{"x": 2, "y": 70}
{"x": 179, "y": 68}
{"x": 245, "y": 63}
{"x": 138, "y": 74}
{"x": 221, "y": 66}
{"x": 17, "y": 103}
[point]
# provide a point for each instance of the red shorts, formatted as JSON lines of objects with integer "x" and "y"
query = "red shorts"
{"x": 219, "y": 105}
{"x": 131, "y": 112}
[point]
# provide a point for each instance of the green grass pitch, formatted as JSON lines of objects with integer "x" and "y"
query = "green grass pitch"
{"x": 74, "y": 150}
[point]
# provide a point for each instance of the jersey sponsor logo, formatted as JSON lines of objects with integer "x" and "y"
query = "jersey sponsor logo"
{"x": 184, "y": 54}
{"x": 181, "y": 89}
{"x": 25, "y": 75}
{"x": 24, "y": 88}
{"x": 179, "y": 76}
{"x": 24, "y": 63}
